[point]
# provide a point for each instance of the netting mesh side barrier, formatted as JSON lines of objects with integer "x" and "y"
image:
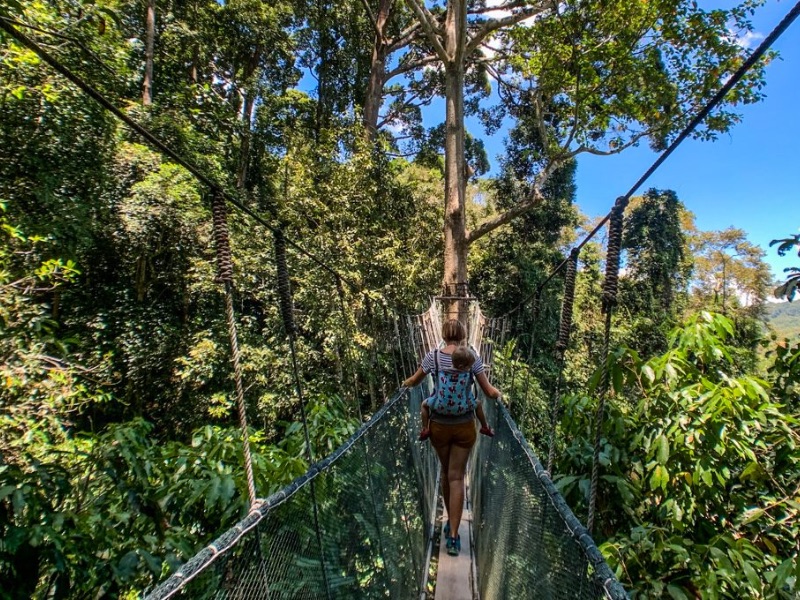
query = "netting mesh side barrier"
{"x": 375, "y": 498}
{"x": 528, "y": 542}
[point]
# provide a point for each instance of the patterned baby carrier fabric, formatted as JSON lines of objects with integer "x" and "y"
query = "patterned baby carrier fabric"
{"x": 452, "y": 393}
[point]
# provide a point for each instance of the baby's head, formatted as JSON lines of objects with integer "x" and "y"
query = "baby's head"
{"x": 463, "y": 359}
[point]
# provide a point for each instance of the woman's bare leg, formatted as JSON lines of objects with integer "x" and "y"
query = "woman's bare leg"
{"x": 444, "y": 460}
{"x": 457, "y": 466}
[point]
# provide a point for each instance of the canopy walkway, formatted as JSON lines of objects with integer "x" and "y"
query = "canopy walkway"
{"x": 361, "y": 523}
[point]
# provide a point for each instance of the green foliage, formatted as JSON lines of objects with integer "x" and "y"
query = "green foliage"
{"x": 522, "y": 389}
{"x": 581, "y": 60}
{"x": 700, "y": 466}
{"x": 114, "y": 512}
{"x": 41, "y": 387}
{"x": 110, "y": 320}
{"x": 657, "y": 262}
{"x": 788, "y": 289}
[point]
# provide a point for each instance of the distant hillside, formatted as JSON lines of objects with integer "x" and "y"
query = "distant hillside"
{"x": 785, "y": 318}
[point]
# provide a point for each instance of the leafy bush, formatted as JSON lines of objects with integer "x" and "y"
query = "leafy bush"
{"x": 701, "y": 471}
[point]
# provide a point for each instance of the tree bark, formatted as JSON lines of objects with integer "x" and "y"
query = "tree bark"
{"x": 248, "y": 107}
{"x": 377, "y": 70}
{"x": 149, "y": 48}
{"x": 244, "y": 146}
{"x": 455, "y": 224}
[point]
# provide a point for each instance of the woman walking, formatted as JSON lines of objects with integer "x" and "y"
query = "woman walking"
{"x": 452, "y": 435}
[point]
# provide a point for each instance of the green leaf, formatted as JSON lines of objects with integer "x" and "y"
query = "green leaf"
{"x": 706, "y": 476}
{"x": 127, "y": 565}
{"x": 677, "y": 593}
{"x": 648, "y": 374}
{"x": 18, "y": 501}
{"x": 659, "y": 478}
{"x": 782, "y": 573}
{"x": 662, "y": 449}
{"x": 752, "y": 515}
{"x": 617, "y": 378}
{"x": 752, "y": 576}
{"x": 153, "y": 563}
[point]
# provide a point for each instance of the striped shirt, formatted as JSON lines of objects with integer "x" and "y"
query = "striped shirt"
{"x": 446, "y": 363}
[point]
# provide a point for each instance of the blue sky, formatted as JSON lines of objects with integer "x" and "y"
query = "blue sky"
{"x": 748, "y": 178}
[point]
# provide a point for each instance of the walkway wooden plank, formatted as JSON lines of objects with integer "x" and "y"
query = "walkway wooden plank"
{"x": 455, "y": 576}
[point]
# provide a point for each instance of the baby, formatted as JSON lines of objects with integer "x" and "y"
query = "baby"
{"x": 463, "y": 359}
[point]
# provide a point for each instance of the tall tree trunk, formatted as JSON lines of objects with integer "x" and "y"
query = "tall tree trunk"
{"x": 247, "y": 115}
{"x": 455, "y": 224}
{"x": 244, "y": 147}
{"x": 377, "y": 70}
{"x": 149, "y": 47}
{"x": 374, "y": 97}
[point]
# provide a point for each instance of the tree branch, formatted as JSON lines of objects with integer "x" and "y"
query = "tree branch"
{"x": 394, "y": 114}
{"x": 494, "y": 24}
{"x": 405, "y": 37}
{"x": 429, "y": 25}
{"x": 596, "y": 152}
{"x": 371, "y": 16}
{"x": 410, "y": 66}
{"x": 508, "y": 6}
{"x": 534, "y": 198}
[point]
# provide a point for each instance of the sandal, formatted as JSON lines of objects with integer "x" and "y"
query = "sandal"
{"x": 488, "y": 431}
{"x": 424, "y": 434}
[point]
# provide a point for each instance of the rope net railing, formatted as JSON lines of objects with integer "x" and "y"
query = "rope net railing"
{"x": 528, "y": 542}
{"x": 360, "y": 523}
{"x": 375, "y": 505}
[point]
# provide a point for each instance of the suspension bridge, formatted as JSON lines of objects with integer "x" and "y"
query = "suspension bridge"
{"x": 363, "y": 522}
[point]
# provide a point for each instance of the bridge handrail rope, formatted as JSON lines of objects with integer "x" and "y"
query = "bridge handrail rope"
{"x": 169, "y": 587}
{"x": 582, "y": 535}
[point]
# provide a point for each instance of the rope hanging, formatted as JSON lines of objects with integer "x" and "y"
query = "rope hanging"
{"x": 565, "y": 326}
{"x": 610, "y": 285}
{"x": 564, "y": 330}
{"x": 225, "y": 276}
{"x": 287, "y": 314}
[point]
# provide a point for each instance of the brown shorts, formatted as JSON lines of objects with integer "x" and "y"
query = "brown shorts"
{"x": 462, "y": 435}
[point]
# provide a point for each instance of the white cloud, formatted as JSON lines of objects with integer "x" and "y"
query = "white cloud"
{"x": 749, "y": 40}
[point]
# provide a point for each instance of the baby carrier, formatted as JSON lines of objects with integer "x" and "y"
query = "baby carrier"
{"x": 452, "y": 393}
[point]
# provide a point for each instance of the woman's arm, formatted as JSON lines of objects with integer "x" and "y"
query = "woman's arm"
{"x": 415, "y": 379}
{"x": 487, "y": 387}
